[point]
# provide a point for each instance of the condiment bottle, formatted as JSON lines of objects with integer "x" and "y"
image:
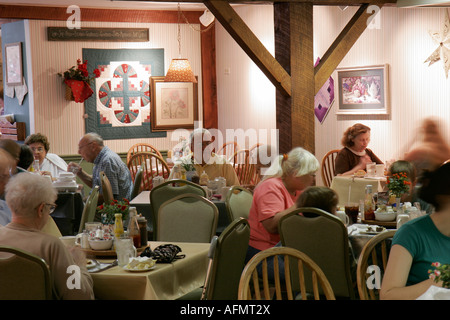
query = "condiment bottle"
{"x": 143, "y": 230}
{"x": 133, "y": 228}
{"x": 118, "y": 225}
{"x": 176, "y": 173}
{"x": 369, "y": 204}
{"x": 204, "y": 179}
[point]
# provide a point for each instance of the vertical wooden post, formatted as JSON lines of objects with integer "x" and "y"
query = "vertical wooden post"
{"x": 283, "y": 56}
{"x": 302, "y": 75}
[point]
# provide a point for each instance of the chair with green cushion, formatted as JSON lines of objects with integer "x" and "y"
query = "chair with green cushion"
{"x": 137, "y": 183}
{"x": 167, "y": 191}
{"x": 227, "y": 260}
{"x": 187, "y": 218}
{"x": 89, "y": 209}
{"x": 24, "y": 276}
{"x": 238, "y": 203}
{"x": 324, "y": 238}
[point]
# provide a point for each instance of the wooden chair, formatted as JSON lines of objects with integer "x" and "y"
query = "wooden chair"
{"x": 107, "y": 192}
{"x": 374, "y": 253}
{"x": 142, "y": 147}
{"x": 300, "y": 262}
{"x": 89, "y": 209}
{"x": 187, "y": 218}
{"x": 324, "y": 238}
{"x": 238, "y": 203}
{"x": 24, "y": 276}
{"x": 168, "y": 190}
{"x": 228, "y": 149}
{"x": 328, "y": 170}
{"x": 152, "y": 166}
{"x": 245, "y": 170}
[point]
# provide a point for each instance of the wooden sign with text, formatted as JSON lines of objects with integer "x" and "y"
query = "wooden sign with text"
{"x": 98, "y": 34}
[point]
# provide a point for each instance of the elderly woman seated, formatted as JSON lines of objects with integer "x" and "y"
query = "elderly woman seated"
{"x": 31, "y": 199}
{"x": 49, "y": 163}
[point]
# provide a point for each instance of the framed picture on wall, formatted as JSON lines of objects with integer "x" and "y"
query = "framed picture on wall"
{"x": 174, "y": 105}
{"x": 13, "y": 65}
{"x": 363, "y": 90}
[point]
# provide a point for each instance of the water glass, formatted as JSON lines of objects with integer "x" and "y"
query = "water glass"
{"x": 371, "y": 169}
{"x": 125, "y": 250}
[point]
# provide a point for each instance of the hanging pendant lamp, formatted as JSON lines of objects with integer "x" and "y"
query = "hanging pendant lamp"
{"x": 180, "y": 69}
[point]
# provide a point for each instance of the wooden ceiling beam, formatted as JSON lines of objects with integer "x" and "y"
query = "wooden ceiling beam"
{"x": 251, "y": 45}
{"x": 343, "y": 43}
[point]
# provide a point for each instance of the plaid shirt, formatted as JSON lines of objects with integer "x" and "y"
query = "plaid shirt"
{"x": 117, "y": 172}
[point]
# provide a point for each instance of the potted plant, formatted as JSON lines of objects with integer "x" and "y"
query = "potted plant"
{"x": 78, "y": 82}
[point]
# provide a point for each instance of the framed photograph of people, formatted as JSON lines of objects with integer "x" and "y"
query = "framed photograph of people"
{"x": 13, "y": 59}
{"x": 174, "y": 105}
{"x": 363, "y": 90}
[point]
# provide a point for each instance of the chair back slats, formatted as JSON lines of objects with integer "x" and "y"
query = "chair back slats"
{"x": 251, "y": 281}
{"x": 141, "y": 147}
{"x": 228, "y": 149}
{"x": 153, "y": 166}
{"x": 327, "y": 168}
{"x": 245, "y": 170}
{"x": 374, "y": 250}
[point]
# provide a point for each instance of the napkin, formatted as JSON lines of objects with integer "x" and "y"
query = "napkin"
{"x": 435, "y": 293}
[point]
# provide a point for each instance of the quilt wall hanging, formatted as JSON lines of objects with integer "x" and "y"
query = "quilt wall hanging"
{"x": 120, "y": 105}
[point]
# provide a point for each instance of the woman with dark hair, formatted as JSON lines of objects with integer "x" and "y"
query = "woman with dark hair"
{"x": 26, "y": 158}
{"x": 420, "y": 242}
{"x": 355, "y": 154}
{"x": 49, "y": 163}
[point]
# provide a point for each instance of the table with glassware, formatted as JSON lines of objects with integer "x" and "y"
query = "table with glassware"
{"x": 163, "y": 281}
{"x": 350, "y": 189}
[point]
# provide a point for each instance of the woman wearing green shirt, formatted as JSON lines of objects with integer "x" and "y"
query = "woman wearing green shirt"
{"x": 420, "y": 242}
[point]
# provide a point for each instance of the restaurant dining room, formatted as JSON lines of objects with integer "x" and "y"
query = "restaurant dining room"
{"x": 225, "y": 150}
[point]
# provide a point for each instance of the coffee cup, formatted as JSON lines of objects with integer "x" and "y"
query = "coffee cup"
{"x": 344, "y": 217}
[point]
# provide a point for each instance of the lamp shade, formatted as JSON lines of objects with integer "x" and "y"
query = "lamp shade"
{"x": 180, "y": 71}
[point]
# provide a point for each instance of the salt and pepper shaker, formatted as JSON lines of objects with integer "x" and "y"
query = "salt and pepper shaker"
{"x": 85, "y": 240}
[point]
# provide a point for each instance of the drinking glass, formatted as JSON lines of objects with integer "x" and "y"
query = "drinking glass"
{"x": 371, "y": 169}
{"x": 352, "y": 210}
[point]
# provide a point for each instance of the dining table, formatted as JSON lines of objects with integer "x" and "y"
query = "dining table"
{"x": 164, "y": 281}
{"x": 351, "y": 189}
{"x": 142, "y": 204}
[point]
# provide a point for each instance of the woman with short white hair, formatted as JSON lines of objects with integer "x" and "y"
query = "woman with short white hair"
{"x": 31, "y": 199}
{"x": 275, "y": 196}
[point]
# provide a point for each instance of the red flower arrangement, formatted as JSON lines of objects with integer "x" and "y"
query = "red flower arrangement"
{"x": 78, "y": 79}
{"x": 398, "y": 184}
{"x": 107, "y": 211}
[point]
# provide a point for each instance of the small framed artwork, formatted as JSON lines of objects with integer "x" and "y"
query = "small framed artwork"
{"x": 174, "y": 105}
{"x": 13, "y": 58}
{"x": 363, "y": 90}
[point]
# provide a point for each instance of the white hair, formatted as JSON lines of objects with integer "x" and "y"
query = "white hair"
{"x": 26, "y": 191}
{"x": 298, "y": 162}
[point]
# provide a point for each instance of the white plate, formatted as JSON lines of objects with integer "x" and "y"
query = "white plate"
{"x": 373, "y": 231}
{"x": 139, "y": 270}
{"x": 91, "y": 265}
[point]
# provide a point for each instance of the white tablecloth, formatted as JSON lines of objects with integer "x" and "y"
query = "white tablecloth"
{"x": 350, "y": 189}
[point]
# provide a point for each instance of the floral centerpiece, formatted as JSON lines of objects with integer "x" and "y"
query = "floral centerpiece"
{"x": 441, "y": 272}
{"x": 108, "y": 211}
{"x": 398, "y": 184}
{"x": 78, "y": 80}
